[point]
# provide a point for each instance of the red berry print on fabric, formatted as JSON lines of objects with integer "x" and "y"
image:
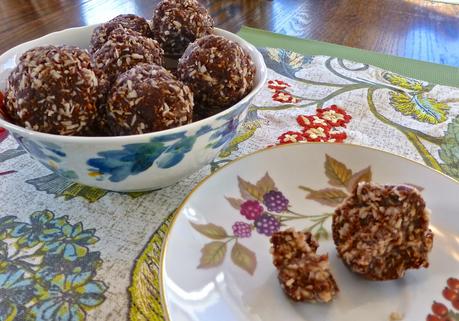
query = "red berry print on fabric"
{"x": 334, "y": 116}
{"x": 317, "y": 134}
{"x": 284, "y": 97}
{"x": 280, "y": 92}
{"x": 441, "y": 310}
{"x": 308, "y": 121}
{"x": 3, "y": 134}
{"x": 277, "y": 85}
{"x": 291, "y": 137}
{"x": 324, "y": 126}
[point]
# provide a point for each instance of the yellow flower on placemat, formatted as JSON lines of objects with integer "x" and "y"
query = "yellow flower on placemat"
{"x": 285, "y": 62}
{"x": 274, "y": 54}
{"x": 403, "y": 82}
{"x": 295, "y": 60}
{"x": 419, "y": 107}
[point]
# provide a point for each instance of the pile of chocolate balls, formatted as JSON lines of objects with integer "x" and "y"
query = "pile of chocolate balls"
{"x": 121, "y": 86}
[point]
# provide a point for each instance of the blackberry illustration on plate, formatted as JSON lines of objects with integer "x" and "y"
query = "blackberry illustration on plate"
{"x": 267, "y": 224}
{"x": 275, "y": 201}
{"x": 241, "y": 229}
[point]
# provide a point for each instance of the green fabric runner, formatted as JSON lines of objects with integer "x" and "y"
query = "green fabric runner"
{"x": 434, "y": 73}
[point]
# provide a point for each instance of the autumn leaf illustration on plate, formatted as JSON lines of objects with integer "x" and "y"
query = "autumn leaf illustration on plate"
{"x": 264, "y": 209}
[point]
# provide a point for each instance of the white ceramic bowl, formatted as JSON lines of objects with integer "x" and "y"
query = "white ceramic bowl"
{"x": 137, "y": 162}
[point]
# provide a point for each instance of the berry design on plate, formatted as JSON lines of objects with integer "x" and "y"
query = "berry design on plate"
{"x": 447, "y": 310}
{"x": 267, "y": 224}
{"x": 241, "y": 229}
{"x": 262, "y": 208}
{"x": 275, "y": 201}
{"x": 251, "y": 209}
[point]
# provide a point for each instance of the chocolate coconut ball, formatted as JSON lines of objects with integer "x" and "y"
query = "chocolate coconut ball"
{"x": 381, "y": 231}
{"x": 100, "y": 127}
{"x": 131, "y": 22}
{"x": 121, "y": 52}
{"x": 53, "y": 90}
{"x": 303, "y": 274}
{"x": 177, "y": 23}
{"x": 148, "y": 98}
{"x": 218, "y": 71}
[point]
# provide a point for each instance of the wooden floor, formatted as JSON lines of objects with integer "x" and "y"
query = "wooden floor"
{"x": 410, "y": 28}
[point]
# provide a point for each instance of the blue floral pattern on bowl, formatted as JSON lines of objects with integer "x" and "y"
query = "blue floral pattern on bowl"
{"x": 164, "y": 151}
{"x": 49, "y": 154}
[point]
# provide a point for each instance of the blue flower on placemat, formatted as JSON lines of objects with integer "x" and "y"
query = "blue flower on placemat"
{"x": 54, "y": 264}
{"x": 42, "y": 227}
{"x": 284, "y": 62}
{"x": 67, "y": 296}
{"x": 47, "y": 270}
{"x": 72, "y": 242}
{"x": 15, "y": 292}
{"x": 133, "y": 159}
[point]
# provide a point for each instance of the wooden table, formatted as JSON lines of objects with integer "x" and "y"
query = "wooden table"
{"x": 410, "y": 28}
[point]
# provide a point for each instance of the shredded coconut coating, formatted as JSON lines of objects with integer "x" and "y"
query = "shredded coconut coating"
{"x": 381, "y": 231}
{"x": 218, "y": 71}
{"x": 100, "y": 126}
{"x": 131, "y": 22}
{"x": 177, "y": 23}
{"x": 303, "y": 274}
{"x": 121, "y": 52}
{"x": 53, "y": 90}
{"x": 148, "y": 98}
{"x": 290, "y": 244}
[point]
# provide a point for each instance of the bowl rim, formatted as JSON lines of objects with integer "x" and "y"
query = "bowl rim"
{"x": 259, "y": 62}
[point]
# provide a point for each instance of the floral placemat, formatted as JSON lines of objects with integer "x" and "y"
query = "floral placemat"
{"x": 71, "y": 252}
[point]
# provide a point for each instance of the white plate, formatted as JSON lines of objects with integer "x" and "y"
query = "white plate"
{"x": 219, "y": 289}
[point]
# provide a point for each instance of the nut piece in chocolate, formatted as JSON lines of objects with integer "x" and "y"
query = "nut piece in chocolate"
{"x": 218, "y": 71}
{"x": 177, "y": 23}
{"x": 129, "y": 22}
{"x": 53, "y": 90}
{"x": 380, "y": 231}
{"x": 148, "y": 98}
{"x": 303, "y": 274}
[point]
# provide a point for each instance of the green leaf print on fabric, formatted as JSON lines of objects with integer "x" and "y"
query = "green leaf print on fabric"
{"x": 419, "y": 107}
{"x": 403, "y": 82}
{"x": 449, "y": 150}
